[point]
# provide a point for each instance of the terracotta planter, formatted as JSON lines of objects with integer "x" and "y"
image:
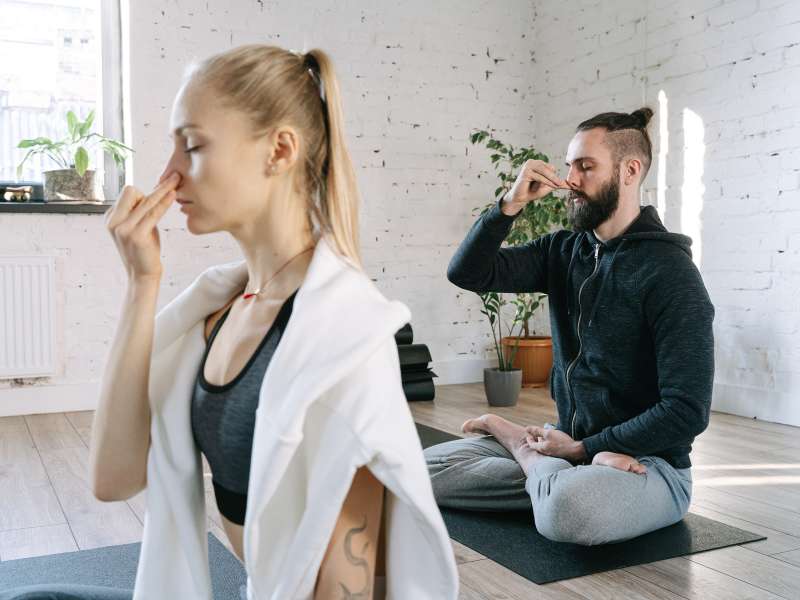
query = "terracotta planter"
{"x": 62, "y": 185}
{"x": 534, "y": 357}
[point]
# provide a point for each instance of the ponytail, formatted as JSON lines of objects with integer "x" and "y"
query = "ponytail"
{"x": 339, "y": 199}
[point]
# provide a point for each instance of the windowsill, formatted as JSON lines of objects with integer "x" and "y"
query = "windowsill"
{"x": 54, "y": 207}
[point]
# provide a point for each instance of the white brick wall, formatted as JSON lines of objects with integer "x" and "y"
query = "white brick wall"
{"x": 734, "y": 65}
{"x": 416, "y": 78}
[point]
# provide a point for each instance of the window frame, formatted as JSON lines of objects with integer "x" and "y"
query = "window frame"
{"x": 112, "y": 73}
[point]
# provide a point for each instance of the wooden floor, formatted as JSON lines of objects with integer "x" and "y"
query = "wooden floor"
{"x": 746, "y": 473}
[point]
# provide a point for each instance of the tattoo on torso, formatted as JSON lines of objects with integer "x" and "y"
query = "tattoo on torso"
{"x": 364, "y": 594}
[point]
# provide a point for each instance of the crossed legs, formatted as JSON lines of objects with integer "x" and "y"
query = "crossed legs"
{"x": 610, "y": 500}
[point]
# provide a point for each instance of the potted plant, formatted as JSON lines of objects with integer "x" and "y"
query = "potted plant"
{"x": 501, "y": 383}
{"x": 535, "y": 356}
{"x": 73, "y": 180}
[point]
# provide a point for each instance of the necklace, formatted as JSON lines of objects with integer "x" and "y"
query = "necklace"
{"x": 245, "y": 296}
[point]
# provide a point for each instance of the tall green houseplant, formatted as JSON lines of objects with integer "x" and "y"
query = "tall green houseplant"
{"x": 535, "y": 220}
{"x": 493, "y": 303}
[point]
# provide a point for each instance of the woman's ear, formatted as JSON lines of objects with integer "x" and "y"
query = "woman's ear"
{"x": 285, "y": 150}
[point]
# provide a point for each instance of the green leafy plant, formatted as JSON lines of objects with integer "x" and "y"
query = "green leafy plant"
{"x": 493, "y": 303}
{"x": 72, "y": 152}
{"x": 535, "y": 220}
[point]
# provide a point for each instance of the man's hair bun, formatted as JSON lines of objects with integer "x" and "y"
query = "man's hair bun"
{"x": 642, "y": 117}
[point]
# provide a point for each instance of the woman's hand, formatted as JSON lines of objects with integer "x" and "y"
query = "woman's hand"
{"x": 132, "y": 223}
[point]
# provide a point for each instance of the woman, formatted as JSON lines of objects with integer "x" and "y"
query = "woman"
{"x": 282, "y": 369}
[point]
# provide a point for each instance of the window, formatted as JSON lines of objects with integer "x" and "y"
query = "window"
{"x": 66, "y": 56}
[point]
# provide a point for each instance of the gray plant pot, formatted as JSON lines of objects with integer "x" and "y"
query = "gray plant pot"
{"x": 65, "y": 184}
{"x": 502, "y": 387}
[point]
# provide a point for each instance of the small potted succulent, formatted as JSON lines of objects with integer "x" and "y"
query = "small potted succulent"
{"x": 73, "y": 180}
{"x": 502, "y": 383}
{"x": 535, "y": 356}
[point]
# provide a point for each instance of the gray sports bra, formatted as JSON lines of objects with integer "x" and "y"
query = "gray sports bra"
{"x": 223, "y": 418}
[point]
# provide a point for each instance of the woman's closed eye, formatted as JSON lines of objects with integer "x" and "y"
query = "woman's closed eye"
{"x": 193, "y": 149}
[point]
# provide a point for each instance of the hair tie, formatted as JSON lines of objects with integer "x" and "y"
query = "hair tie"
{"x": 313, "y": 70}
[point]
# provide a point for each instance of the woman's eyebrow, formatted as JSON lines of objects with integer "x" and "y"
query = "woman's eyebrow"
{"x": 181, "y": 128}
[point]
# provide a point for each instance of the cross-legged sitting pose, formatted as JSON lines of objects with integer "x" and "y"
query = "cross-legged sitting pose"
{"x": 633, "y": 353}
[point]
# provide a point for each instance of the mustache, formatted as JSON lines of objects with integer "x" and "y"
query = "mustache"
{"x": 573, "y": 195}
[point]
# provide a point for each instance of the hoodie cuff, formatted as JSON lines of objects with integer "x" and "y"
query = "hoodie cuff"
{"x": 496, "y": 218}
{"x": 594, "y": 444}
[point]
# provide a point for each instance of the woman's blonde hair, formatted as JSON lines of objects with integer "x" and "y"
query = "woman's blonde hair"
{"x": 275, "y": 86}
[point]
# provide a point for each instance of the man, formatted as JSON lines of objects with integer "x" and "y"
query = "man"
{"x": 633, "y": 352}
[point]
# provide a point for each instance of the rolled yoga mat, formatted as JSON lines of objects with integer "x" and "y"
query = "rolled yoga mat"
{"x": 510, "y": 539}
{"x": 115, "y": 566}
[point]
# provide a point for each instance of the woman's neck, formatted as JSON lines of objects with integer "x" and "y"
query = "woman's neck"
{"x": 278, "y": 244}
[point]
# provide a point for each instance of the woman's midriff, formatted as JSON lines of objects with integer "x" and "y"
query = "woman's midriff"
{"x": 235, "y": 533}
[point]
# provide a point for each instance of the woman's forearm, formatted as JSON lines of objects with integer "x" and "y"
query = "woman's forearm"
{"x": 121, "y": 430}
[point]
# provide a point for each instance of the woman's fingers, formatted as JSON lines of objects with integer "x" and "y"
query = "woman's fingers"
{"x": 154, "y": 198}
{"x": 153, "y": 216}
{"x": 127, "y": 200}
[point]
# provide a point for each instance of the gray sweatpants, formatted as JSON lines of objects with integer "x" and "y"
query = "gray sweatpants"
{"x": 584, "y": 504}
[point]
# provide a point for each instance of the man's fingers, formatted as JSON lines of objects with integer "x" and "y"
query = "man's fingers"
{"x": 540, "y": 446}
{"x": 538, "y": 432}
{"x": 548, "y": 178}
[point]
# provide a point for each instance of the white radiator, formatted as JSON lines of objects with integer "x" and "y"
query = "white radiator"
{"x": 27, "y": 316}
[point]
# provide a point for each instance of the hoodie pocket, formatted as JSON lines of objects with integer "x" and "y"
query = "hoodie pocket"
{"x": 595, "y": 411}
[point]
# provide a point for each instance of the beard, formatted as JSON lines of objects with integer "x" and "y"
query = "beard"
{"x": 594, "y": 210}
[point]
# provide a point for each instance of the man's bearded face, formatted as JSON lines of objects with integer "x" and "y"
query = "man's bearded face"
{"x": 589, "y": 212}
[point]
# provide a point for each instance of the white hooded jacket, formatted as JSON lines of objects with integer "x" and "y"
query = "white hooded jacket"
{"x": 331, "y": 401}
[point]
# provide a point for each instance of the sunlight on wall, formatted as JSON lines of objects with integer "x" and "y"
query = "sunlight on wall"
{"x": 745, "y": 481}
{"x": 663, "y": 150}
{"x": 747, "y": 467}
{"x": 692, "y": 190}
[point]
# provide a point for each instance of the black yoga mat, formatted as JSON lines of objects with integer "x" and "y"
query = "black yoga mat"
{"x": 404, "y": 335}
{"x": 510, "y": 539}
{"x": 115, "y": 566}
{"x": 419, "y": 390}
{"x": 414, "y": 356}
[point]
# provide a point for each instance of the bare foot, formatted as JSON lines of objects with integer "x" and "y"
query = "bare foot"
{"x": 623, "y": 462}
{"x": 476, "y": 425}
{"x": 511, "y": 436}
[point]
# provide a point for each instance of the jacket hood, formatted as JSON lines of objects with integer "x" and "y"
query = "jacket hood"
{"x": 647, "y": 226}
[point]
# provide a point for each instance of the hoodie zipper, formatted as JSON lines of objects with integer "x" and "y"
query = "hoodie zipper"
{"x": 580, "y": 344}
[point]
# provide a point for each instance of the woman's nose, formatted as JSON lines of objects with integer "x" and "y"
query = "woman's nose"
{"x": 170, "y": 168}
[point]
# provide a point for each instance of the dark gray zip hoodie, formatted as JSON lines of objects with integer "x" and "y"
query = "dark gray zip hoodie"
{"x": 633, "y": 346}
